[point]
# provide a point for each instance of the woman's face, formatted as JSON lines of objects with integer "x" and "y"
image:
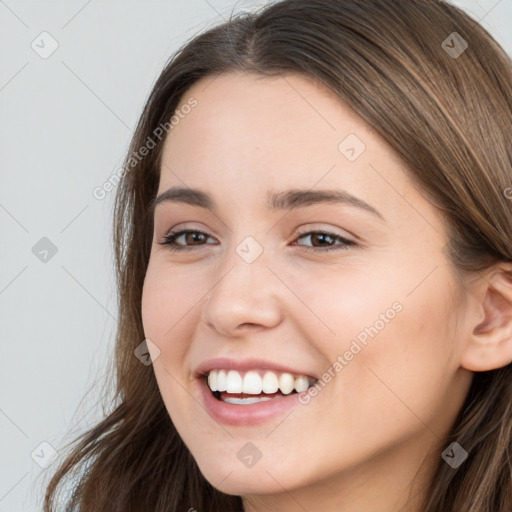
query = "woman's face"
{"x": 373, "y": 319}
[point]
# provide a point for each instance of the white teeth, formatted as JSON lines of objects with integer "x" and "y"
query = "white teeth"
{"x": 233, "y": 382}
{"x": 246, "y": 401}
{"x": 212, "y": 381}
{"x": 221, "y": 380}
{"x": 301, "y": 384}
{"x": 270, "y": 382}
{"x": 252, "y": 383}
{"x": 286, "y": 383}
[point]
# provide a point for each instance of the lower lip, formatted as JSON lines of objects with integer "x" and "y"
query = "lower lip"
{"x": 232, "y": 414}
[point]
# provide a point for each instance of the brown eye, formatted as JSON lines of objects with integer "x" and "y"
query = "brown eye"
{"x": 325, "y": 241}
{"x": 191, "y": 236}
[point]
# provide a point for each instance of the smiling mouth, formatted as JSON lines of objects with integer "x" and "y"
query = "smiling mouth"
{"x": 255, "y": 386}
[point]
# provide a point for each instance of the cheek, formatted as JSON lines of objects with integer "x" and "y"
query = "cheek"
{"x": 168, "y": 298}
{"x": 166, "y": 312}
{"x": 400, "y": 373}
{"x": 389, "y": 345}
{"x": 340, "y": 306}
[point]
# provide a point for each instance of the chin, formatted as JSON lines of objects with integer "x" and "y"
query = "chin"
{"x": 237, "y": 480}
{"x": 245, "y": 485}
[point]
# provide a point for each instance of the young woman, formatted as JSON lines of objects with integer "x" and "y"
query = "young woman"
{"x": 314, "y": 250}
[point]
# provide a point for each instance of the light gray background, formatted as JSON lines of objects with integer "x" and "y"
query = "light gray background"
{"x": 66, "y": 122}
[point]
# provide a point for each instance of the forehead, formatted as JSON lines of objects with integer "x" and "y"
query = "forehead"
{"x": 231, "y": 106}
{"x": 270, "y": 125}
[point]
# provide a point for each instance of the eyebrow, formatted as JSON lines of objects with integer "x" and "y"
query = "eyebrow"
{"x": 276, "y": 201}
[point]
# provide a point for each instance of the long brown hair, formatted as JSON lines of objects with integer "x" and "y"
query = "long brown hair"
{"x": 445, "y": 108}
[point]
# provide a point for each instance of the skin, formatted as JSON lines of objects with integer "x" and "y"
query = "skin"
{"x": 373, "y": 435}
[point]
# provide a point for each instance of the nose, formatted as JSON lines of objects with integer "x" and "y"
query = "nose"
{"x": 247, "y": 295}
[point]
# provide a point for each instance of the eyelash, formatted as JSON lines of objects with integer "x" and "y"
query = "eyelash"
{"x": 169, "y": 240}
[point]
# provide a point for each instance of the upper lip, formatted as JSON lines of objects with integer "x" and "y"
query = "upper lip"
{"x": 225, "y": 363}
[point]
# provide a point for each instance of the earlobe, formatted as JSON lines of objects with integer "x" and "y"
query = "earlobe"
{"x": 490, "y": 343}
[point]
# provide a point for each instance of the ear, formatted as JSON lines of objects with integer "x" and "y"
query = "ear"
{"x": 490, "y": 344}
